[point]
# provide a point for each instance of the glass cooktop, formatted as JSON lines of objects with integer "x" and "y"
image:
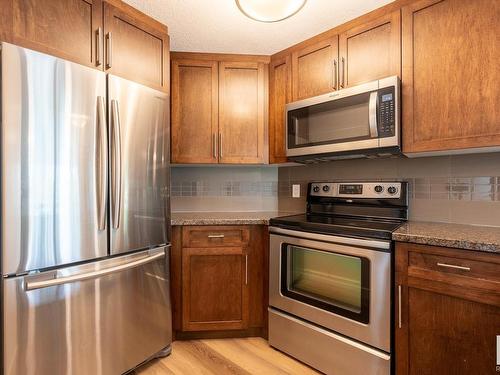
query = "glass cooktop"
{"x": 339, "y": 225}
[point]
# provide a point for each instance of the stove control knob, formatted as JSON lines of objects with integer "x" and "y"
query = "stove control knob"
{"x": 326, "y": 188}
{"x": 392, "y": 190}
{"x": 379, "y": 188}
{"x": 316, "y": 188}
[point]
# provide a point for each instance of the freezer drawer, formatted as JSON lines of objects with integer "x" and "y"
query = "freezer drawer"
{"x": 104, "y": 318}
{"x": 324, "y": 350}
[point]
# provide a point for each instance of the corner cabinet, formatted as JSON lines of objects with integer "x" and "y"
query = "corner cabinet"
{"x": 450, "y": 75}
{"x": 370, "y": 51}
{"x": 219, "y": 109}
{"x": 137, "y": 47}
{"x": 447, "y": 310}
{"x": 218, "y": 282}
{"x": 280, "y": 93}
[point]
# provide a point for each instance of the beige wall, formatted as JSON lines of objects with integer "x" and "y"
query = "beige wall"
{"x": 458, "y": 189}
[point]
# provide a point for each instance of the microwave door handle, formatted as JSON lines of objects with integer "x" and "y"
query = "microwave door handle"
{"x": 372, "y": 114}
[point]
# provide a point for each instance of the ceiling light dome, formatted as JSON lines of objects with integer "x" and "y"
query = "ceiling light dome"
{"x": 270, "y": 11}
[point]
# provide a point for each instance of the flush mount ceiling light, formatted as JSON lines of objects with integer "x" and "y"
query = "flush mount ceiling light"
{"x": 270, "y": 11}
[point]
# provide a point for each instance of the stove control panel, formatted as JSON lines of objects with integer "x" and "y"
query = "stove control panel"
{"x": 356, "y": 189}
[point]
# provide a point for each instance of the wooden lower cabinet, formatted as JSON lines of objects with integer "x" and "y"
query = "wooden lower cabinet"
{"x": 218, "y": 287}
{"x": 447, "y": 310}
{"x": 214, "y": 288}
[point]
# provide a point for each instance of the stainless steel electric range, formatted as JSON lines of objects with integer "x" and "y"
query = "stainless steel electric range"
{"x": 331, "y": 275}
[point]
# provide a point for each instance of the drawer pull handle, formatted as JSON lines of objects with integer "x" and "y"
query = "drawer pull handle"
{"x": 215, "y": 236}
{"x": 453, "y": 266}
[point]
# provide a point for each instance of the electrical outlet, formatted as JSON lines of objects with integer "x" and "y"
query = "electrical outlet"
{"x": 295, "y": 190}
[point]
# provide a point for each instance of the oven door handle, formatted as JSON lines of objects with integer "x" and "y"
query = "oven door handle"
{"x": 372, "y": 114}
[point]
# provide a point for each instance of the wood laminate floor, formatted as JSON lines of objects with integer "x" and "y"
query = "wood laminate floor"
{"x": 223, "y": 357}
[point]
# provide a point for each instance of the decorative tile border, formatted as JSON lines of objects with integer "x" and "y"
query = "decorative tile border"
{"x": 432, "y": 188}
{"x": 225, "y": 189}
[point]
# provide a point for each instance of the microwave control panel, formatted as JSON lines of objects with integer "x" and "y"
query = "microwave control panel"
{"x": 386, "y": 112}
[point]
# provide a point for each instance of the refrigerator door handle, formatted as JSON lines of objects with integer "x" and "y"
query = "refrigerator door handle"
{"x": 116, "y": 170}
{"x": 32, "y": 285}
{"x": 102, "y": 162}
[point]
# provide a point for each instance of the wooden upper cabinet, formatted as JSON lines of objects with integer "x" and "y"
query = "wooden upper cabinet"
{"x": 242, "y": 112}
{"x": 195, "y": 111}
{"x": 315, "y": 69}
{"x": 137, "y": 47}
{"x": 450, "y": 75}
{"x": 280, "y": 93}
{"x": 214, "y": 288}
{"x": 371, "y": 51}
{"x": 64, "y": 28}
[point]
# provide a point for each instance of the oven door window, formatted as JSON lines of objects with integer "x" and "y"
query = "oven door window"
{"x": 336, "y": 121}
{"x": 330, "y": 281}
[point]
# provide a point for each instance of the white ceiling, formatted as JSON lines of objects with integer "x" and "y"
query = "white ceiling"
{"x": 219, "y": 26}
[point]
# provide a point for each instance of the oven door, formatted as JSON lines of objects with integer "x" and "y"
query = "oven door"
{"x": 340, "y": 283}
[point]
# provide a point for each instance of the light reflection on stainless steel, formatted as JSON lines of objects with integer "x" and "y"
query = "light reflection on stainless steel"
{"x": 49, "y": 134}
{"x": 97, "y": 326}
{"x": 144, "y": 133}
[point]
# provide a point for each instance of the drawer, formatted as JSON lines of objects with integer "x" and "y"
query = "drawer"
{"x": 214, "y": 236}
{"x": 452, "y": 265}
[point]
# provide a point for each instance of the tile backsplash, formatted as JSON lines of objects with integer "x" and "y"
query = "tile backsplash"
{"x": 223, "y": 188}
{"x": 460, "y": 189}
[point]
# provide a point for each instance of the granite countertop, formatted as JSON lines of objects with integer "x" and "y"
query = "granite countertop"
{"x": 460, "y": 236}
{"x": 225, "y": 218}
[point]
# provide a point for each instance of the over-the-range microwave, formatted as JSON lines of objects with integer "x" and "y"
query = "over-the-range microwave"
{"x": 359, "y": 121}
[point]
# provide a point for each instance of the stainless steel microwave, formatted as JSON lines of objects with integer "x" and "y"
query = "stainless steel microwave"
{"x": 359, "y": 121}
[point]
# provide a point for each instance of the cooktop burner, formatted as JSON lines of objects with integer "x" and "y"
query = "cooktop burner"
{"x": 360, "y": 209}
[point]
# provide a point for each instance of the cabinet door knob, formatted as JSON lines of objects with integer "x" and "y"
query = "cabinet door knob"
{"x": 215, "y": 236}
{"x": 343, "y": 73}
{"x": 399, "y": 306}
{"x": 335, "y": 77}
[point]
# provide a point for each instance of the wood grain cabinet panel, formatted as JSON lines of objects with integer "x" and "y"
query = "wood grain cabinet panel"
{"x": 137, "y": 48}
{"x": 64, "y": 28}
{"x": 242, "y": 113}
{"x": 195, "y": 111}
{"x": 315, "y": 69}
{"x": 371, "y": 51}
{"x": 447, "y": 310}
{"x": 215, "y": 290}
{"x": 450, "y": 75}
{"x": 280, "y": 93}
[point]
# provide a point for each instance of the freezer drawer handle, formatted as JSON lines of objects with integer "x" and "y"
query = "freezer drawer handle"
{"x": 31, "y": 285}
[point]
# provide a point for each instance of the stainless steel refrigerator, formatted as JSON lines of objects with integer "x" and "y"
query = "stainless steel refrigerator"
{"x": 84, "y": 218}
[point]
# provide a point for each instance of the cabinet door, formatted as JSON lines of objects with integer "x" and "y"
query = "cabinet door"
{"x": 315, "y": 69}
{"x": 214, "y": 288}
{"x": 447, "y": 310}
{"x": 68, "y": 29}
{"x": 280, "y": 93}
{"x": 371, "y": 51}
{"x": 242, "y": 112}
{"x": 137, "y": 47}
{"x": 195, "y": 111}
{"x": 450, "y": 75}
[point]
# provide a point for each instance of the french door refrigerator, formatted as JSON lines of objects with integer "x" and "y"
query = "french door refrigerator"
{"x": 84, "y": 218}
